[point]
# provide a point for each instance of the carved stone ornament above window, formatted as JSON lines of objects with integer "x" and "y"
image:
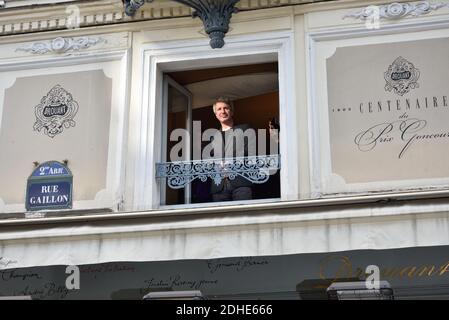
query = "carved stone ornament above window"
{"x": 61, "y": 45}
{"x": 396, "y": 10}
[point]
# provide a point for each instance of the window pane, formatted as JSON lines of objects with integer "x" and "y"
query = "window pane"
{"x": 176, "y": 119}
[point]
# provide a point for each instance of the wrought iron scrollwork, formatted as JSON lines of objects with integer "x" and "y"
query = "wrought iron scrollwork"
{"x": 131, "y": 6}
{"x": 256, "y": 169}
{"x": 215, "y": 14}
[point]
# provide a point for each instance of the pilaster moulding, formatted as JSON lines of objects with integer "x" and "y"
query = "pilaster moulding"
{"x": 396, "y": 10}
{"x": 61, "y": 45}
{"x": 108, "y": 12}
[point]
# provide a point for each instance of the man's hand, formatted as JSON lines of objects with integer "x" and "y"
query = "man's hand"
{"x": 273, "y": 129}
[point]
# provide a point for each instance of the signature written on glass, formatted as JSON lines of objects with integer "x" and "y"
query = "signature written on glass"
{"x": 408, "y": 130}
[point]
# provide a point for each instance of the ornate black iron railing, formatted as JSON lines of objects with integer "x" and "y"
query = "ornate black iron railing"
{"x": 256, "y": 169}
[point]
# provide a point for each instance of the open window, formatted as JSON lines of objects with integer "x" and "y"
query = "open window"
{"x": 188, "y": 96}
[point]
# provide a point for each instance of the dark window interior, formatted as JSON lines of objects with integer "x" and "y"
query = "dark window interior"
{"x": 253, "y": 109}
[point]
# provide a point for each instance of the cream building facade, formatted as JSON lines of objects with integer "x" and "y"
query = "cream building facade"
{"x": 361, "y": 95}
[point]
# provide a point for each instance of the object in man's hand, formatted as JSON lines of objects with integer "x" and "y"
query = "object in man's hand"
{"x": 274, "y": 124}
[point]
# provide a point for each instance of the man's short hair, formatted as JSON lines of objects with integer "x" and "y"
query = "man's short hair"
{"x": 223, "y": 100}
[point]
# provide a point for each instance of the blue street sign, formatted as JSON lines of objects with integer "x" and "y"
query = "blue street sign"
{"x": 51, "y": 169}
{"x": 49, "y": 187}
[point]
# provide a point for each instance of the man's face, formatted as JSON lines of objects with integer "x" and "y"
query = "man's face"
{"x": 223, "y": 112}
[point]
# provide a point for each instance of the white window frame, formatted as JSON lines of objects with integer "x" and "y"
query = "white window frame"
{"x": 170, "y": 56}
{"x": 168, "y": 81}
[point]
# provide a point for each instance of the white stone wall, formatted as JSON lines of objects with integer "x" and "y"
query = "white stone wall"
{"x": 134, "y": 56}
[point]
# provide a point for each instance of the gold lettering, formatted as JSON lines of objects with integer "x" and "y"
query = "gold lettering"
{"x": 389, "y": 272}
{"x": 411, "y": 274}
{"x": 359, "y": 273}
{"x": 343, "y": 270}
{"x": 444, "y": 269}
{"x": 424, "y": 269}
{"x": 409, "y": 270}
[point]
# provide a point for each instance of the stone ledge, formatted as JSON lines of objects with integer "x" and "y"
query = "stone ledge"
{"x": 22, "y": 20}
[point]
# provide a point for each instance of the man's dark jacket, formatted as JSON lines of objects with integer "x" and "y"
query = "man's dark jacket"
{"x": 230, "y": 150}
